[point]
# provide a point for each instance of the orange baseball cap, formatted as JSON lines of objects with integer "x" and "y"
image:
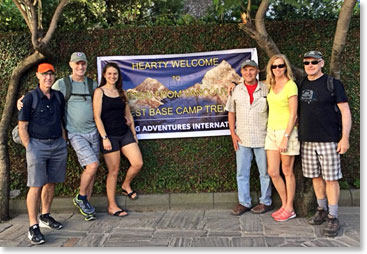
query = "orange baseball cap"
{"x": 44, "y": 67}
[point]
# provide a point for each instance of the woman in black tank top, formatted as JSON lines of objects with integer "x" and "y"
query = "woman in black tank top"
{"x": 111, "y": 110}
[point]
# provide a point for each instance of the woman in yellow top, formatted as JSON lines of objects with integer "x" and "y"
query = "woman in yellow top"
{"x": 281, "y": 143}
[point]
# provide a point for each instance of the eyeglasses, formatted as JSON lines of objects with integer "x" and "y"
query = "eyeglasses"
{"x": 45, "y": 74}
{"x": 315, "y": 62}
{"x": 280, "y": 66}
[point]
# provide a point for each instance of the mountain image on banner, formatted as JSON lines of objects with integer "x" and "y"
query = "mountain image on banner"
{"x": 212, "y": 90}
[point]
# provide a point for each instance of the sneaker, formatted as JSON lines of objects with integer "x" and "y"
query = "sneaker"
{"x": 240, "y": 209}
{"x": 261, "y": 208}
{"x": 332, "y": 226}
{"x": 274, "y": 214}
{"x": 319, "y": 217}
{"x": 84, "y": 206}
{"x": 35, "y": 235}
{"x": 285, "y": 215}
{"x": 46, "y": 221}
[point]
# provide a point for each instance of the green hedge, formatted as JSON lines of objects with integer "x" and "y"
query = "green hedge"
{"x": 190, "y": 164}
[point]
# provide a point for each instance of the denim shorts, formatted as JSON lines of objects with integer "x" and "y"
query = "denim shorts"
{"x": 46, "y": 161}
{"x": 274, "y": 138}
{"x": 117, "y": 142}
{"x": 86, "y": 147}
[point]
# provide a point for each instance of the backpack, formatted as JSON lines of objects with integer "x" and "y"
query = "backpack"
{"x": 15, "y": 131}
{"x": 69, "y": 88}
{"x": 331, "y": 89}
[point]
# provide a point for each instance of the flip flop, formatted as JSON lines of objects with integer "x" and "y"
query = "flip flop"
{"x": 117, "y": 213}
{"x": 124, "y": 192}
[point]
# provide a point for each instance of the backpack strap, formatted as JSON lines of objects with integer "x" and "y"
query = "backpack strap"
{"x": 90, "y": 86}
{"x": 68, "y": 88}
{"x": 330, "y": 85}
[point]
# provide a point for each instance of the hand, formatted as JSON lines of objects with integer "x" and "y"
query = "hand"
{"x": 230, "y": 88}
{"x": 283, "y": 147}
{"x": 20, "y": 103}
{"x": 128, "y": 123}
{"x": 343, "y": 146}
{"x": 107, "y": 144}
{"x": 235, "y": 141}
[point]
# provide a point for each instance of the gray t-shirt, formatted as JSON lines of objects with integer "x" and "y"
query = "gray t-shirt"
{"x": 79, "y": 109}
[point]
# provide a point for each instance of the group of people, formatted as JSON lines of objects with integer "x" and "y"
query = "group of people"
{"x": 93, "y": 119}
{"x": 276, "y": 120}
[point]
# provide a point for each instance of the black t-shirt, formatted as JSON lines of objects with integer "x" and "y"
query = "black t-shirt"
{"x": 45, "y": 121}
{"x": 113, "y": 116}
{"x": 318, "y": 120}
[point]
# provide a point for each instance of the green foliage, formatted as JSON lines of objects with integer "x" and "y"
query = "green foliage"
{"x": 191, "y": 164}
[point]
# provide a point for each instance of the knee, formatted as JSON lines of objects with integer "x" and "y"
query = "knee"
{"x": 287, "y": 170}
{"x": 92, "y": 168}
{"x": 137, "y": 165}
{"x": 273, "y": 173}
{"x": 113, "y": 171}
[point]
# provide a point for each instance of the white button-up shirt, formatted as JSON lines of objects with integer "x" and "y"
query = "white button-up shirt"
{"x": 251, "y": 119}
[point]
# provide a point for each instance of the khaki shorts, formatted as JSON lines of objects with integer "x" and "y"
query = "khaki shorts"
{"x": 274, "y": 137}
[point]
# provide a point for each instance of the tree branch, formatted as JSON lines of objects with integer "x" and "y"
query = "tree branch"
{"x": 260, "y": 17}
{"x": 340, "y": 36}
{"x": 24, "y": 14}
{"x": 53, "y": 23}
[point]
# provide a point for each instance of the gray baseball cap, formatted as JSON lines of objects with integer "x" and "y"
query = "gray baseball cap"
{"x": 78, "y": 57}
{"x": 249, "y": 62}
{"x": 313, "y": 54}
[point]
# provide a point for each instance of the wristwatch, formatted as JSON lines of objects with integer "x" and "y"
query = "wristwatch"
{"x": 286, "y": 135}
{"x": 104, "y": 137}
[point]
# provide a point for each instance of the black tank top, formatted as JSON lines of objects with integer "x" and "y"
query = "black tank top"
{"x": 113, "y": 116}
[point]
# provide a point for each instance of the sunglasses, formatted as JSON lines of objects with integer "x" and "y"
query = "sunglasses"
{"x": 280, "y": 66}
{"x": 312, "y": 62}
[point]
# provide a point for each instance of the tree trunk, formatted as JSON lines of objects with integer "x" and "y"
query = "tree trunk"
{"x": 340, "y": 37}
{"x": 13, "y": 88}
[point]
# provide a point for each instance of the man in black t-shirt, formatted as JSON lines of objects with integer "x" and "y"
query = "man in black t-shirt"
{"x": 319, "y": 133}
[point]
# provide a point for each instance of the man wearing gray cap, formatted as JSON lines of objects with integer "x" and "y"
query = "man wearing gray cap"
{"x": 81, "y": 128}
{"x": 324, "y": 127}
{"x": 247, "y": 117}
{"x": 82, "y": 131}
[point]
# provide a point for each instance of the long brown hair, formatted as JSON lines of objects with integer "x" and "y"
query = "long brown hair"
{"x": 118, "y": 83}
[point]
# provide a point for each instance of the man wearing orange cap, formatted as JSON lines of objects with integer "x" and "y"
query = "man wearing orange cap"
{"x": 42, "y": 133}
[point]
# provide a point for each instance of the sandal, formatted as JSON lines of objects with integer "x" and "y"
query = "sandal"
{"x": 124, "y": 192}
{"x": 117, "y": 213}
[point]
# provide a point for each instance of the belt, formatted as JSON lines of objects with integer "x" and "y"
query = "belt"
{"x": 46, "y": 139}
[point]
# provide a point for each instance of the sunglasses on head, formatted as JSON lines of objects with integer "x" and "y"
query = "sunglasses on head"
{"x": 312, "y": 62}
{"x": 280, "y": 66}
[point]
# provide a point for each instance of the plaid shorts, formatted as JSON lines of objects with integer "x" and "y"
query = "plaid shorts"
{"x": 321, "y": 159}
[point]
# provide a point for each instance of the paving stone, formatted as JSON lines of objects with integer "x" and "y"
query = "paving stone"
{"x": 287, "y": 228}
{"x": 189, "y": 219}
{"x": 91, "y": 240}
{"x": 324, "y": 243}
{"x": 15, "y": 232}
{"x": 180, "y": 242}
{"x": 121, "y": 234}
{"x": 224, "y": 233}
{"x": 211, "y": 242}
{"x": 251, "y": 223}
{"x": 349, "y": 241}
{"x": 348, "y": 210}
{"x": 248, "y": 242}
{"x": 274, "y": 241}
{"x": 350, "y": 220}
{"x": 71, "y": 242}
{"x": 5, "y": 226}
{"x": 139, "y": 243}
{"x": 345, "y": 198}
{"x": 353, "y": 233}
{"x": 227, "y": 224}
{"x": 8, "y": 243}
{"x": 178, "y": 233}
